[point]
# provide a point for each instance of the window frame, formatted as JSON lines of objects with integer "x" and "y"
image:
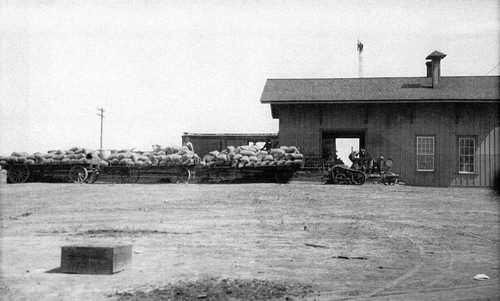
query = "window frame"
{"x": 433, "y": 155}
{"x": 473, "y": 156}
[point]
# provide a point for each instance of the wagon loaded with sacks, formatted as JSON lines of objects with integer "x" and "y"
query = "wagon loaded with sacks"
{"x": 249, "y": 164}
{"x": 240, "y": 164}
{"x": 171, "y": 164}
{"x": 73, "y": 165}
{"x": 81, "y": 165}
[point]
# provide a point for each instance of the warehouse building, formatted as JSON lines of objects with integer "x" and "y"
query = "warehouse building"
{"x": 439, "y": 131}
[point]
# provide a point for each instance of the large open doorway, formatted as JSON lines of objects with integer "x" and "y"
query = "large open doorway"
{"x": 344, "y": 147}
{"x": 339, "y": 144}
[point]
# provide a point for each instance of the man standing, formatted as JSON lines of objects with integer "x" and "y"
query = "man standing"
{"x": 189, "y": 145}
{"x": 366, "y": 160}
{"x": 361, "y": 160}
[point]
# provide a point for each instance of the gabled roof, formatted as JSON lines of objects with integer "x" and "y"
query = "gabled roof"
{"x": 389, "y": 89}
{"x": 186, "y": 134}
{"x": 231, "y": 135}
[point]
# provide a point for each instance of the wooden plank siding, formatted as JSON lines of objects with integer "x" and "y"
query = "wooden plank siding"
{"x": 299, "y": 127}
{"x": 205, "y": 143}
{"x": 391, "y": 131}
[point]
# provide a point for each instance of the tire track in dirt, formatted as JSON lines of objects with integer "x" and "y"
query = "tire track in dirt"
{"x": 443, "y": 293}
{"x": 449, "y": 266}
{"x": 449, "y": 257}
{"x": 413, "y": 271}
{"x": 422, "y": 262}
{"x": 425, "y": 260}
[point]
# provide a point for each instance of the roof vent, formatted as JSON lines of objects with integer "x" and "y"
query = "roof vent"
{"x": 435, "y": 66}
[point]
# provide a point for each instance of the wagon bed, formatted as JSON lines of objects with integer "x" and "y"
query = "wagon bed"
{"x": 255, "y": 174}
{"x": 77, "y": 172}
{"x": 132, "y": 174}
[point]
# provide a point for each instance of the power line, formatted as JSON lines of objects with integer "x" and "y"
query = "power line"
{"x": 492, "y": 69}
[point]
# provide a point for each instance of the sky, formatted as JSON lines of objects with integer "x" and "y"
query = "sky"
{"x": 161, "y": 68}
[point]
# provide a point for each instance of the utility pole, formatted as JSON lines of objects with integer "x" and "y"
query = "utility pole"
{"x": 102, "y": 118}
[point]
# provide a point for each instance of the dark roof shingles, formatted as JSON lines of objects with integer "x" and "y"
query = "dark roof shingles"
{"x": 481, "y": 88}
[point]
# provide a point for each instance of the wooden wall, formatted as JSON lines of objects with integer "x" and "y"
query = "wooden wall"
{"x": 204, "y": 144}
{"x": 391, "y": 131}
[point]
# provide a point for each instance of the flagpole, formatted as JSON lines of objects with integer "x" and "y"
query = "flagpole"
{"x": 360, "y": 58}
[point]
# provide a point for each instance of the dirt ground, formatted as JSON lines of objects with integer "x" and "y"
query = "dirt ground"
{"x": 298, "y": 241}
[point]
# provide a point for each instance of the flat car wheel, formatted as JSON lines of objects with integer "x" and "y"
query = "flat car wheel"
{"x": 358, "y": 178}
{"x": 18, "y": 174}
{"x": 284, "y": 176}
{"x": 183, "y": 176}
{"x": 92, "y": 177}
{"x": 131, "y": 176}
{"x": 78, "y": 174}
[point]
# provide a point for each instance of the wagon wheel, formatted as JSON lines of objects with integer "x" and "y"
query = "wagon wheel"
{"x": 78, "y": 174}
{"x": 358, "y": 178}
{"x": 284, "y": 176}
{"x": 183, "y": 176}
{"x": 339, "y": 178}
{"x": 18, "y": 174}
{"x": 92, "y": 177}
{"x": 131, "y": 176}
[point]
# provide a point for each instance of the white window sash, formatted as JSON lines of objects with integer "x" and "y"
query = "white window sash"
{"x": 466, "y": 155}
{"x": 425, "y": 153}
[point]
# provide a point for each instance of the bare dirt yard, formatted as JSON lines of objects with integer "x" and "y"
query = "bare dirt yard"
{"x": 296, "y": 241}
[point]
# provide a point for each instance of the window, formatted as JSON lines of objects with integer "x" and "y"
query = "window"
{"x": 425, "y": 153}
{"x": 466, "y": 155}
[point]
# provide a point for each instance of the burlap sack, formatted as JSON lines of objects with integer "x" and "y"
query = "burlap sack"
{"x": 105, "y": 154}
{"x": 234, "y": 163}
{"x": 277, "y": 151}
{"x": 208, "y": 158}
{"x": 222, "y": 157}
{"x": 292, "y": 149}
{"x": 247, "y": 153}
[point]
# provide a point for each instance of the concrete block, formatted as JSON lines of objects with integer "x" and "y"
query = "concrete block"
{"x": 95, "y": 259}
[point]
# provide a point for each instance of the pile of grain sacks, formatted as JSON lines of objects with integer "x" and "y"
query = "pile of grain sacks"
{"x": 73, "y": 155}
{"x": 169, "y": 156}
{"x": 252, "y": 156}
{"x": 237, "y": 157}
